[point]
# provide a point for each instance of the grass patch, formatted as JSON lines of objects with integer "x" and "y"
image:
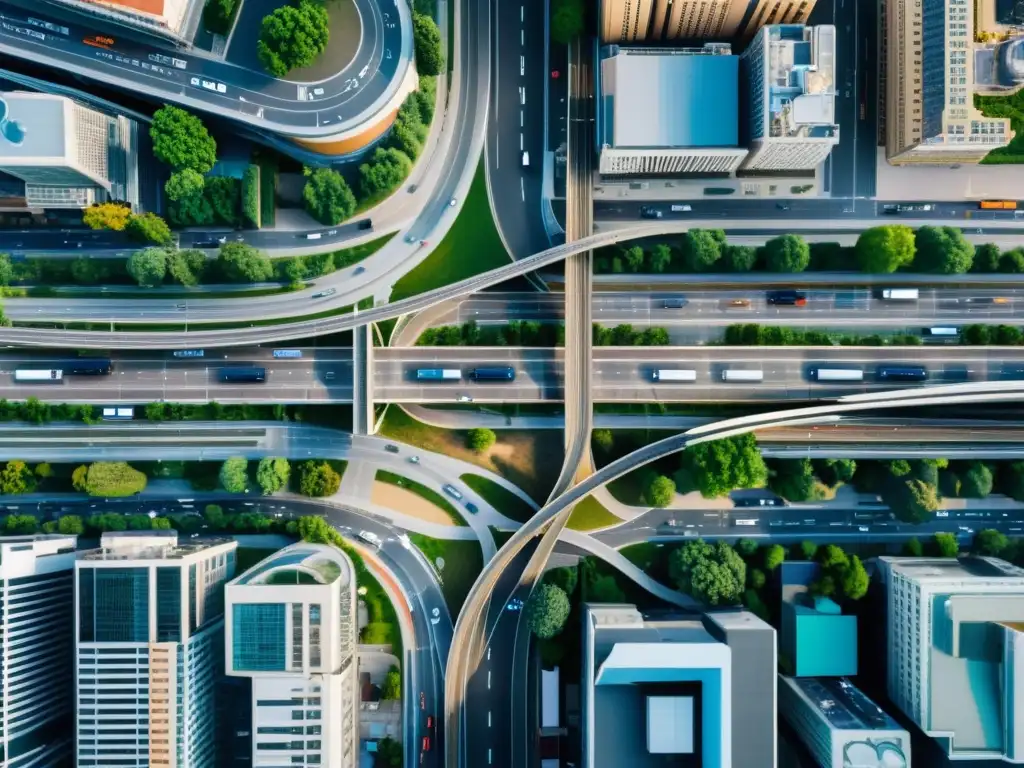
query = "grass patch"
{"x": 590, "y": 514}
{"x": 471, "y": 246}
{"x": 463, "y": 562}
{"x": 502, "y": 499}
{"x": 500, "y": 536}
{"x": 529, "y": 459}
{"x": 1011, "y": 106}
{"x": 423, "y": 492}
{"x": 629, "y": 488}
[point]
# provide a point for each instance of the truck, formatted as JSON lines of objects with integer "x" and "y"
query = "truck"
{"x": 734, "y": 374}
{"x": 111, "y": 413}
{"x": 902, "y": 373}
{"x": 901, "y": 294}
{"x": 251, "y": 375}
{"x": 496, "y": 373}
{"x": 438, "y": 374}
{"x": 672, "y": 374}
{"x": 837, "y": 374}
{"x": 39, "y": 375}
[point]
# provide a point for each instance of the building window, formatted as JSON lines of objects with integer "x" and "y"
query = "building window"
{"x": 258, "y": 641}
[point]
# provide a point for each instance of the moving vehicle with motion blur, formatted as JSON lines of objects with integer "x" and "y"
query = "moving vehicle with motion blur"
{"x": 88, "y": 366}
{"x": 438, "y": 374}
{"x": 837, "y": 374}
{"x": 39, "y": 375}
{"x": 787, "y": 298}
{"x": 900, "y": 294}
{"x": 901, "y": 373}
{"x": 941, "y": 332}
{"x": 743, "y": 375}
{"x": 673, "y": 375}
{"x": 496, "y": 373}
{"x": 248, "y": 375}
{"x": 998, "y": 205}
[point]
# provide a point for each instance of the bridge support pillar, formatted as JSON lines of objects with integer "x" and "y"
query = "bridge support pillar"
{"x": 363, "y": 422}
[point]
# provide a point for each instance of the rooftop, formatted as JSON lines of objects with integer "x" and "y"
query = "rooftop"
{"x": 301, "y": 563}
{"x": 670, "y": 98}
{"x": 801, "y": 81}
{"x": 147, "y": 545}
{"x": 842, "y": 704}
{"x": 42, "y": 117}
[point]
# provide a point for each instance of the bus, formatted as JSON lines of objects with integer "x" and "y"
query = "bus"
{"x": 243, "y": 375}
{"x": 49, "y": 375}
{"x": 287, "y": 353}
{"x": 998, "y": 205}
{"x": 118, "y": 414}
{"x": 88, "y": 366}
{"x": 438, "y": 374}
{"x": 732, "y": 374}
{"x": 901, "y": 294}
{"x": 942, "y": 331}
{"x": 902, "y": 373}
{"x": 667, "y": 374}
{"x": 837, "y": 374}
{"x": 189, "y": 353}
{"x": 504, "y": 373}
{"x": 745, "y": 521}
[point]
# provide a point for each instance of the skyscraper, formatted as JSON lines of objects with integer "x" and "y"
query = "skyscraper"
{"x": 36, "y": 636}
{"x": 149, "y": 642}
{"x": 292, "y": 630}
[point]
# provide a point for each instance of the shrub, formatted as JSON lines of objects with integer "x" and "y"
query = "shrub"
{"x": 318, "y": 479}
{"x": 480, "y": 440}
{"x": 234, "y": 474}
{"x": 251, "y": 196}
{"x": 112, "y": 479}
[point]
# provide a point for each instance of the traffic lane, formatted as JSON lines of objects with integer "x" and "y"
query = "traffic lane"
{"x": 620, "y": 209}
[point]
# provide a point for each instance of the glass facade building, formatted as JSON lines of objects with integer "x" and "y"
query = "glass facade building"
{"x": 258, "y": 643}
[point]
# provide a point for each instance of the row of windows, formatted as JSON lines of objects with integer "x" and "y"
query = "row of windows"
{"x": 287, "y": 745}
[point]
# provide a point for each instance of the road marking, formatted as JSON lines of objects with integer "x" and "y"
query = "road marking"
{"x": 522, "y": 37}
{"x": 490, "y": 757}
{"x": 522, "y": 189}
{"x": 488, "y": 718}
{"x": 520, "y": 142}
{"x": 520, "y": 13}
{"x": 520, "y": 118}
{"x": 488, "y": 654}
{"x": 488, "y": 679}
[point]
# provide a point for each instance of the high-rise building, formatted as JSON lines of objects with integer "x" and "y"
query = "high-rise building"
{"x": 669, "y": 111}
{"x": 955, "y": 634}
{"x": 292, "y": 631}
{"x": 36, "y": 634}
{"x": 66, "y": 154}
{"x": 930, "y": 115}
{"x": 630, "y": 21}
{"x": 149, "y": 650}
{"x": 177, "y": 20}
{"x": 789, "y": 71}
{"x": 686, "y": 690}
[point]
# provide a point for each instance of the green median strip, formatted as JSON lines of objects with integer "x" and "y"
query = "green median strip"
{"x": 502, "y": 499}
{"x": 423, "y": 492}
{"x": 591, "y": 514}
{"x": 462, "y": 562}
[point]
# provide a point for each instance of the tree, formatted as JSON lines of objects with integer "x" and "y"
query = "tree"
{"x": 885, "y": 249}
{"x": 720, "y": 466}
{"x": 658, "y": 490}
{"x": 603, "y": 441}
{"x": 160, "y": 524}
{"x": 385, "y": 171}
{"x": 315, "y": 529}
{"x": 149, "y": 228}
{"x": 392, "y": 690}
{"x": 898, "y": 467}
{"x": 808, "y": 550}
{"x": 43, "y": 470}
{"x": 746, "y": 547}
{"x": 832, "y": 556}
{"x": 547, "y": 610}
{"x": 148, "y": 266}
{"x": 107, "y": 216}
{"x": 16, "y": 478}
{"x": 139, "y": 523}
{"x": 6, "y": 269}
{"x": 738, "y": 258}
{"x": 702, "y": 248}
{"x": 947, "y": 545}
{"x": 390, "y": 754}
{"x": 21, "y": 525}
{"x": 318, "y": 479}
{"x": 70, "y": 525}
{"x": 426, "y": 39}
{"x": 714, "y": 574}
{"x": 913, "y": 547}
{"x": 832, "y": 472}
{"x": 976, "y": 482}
{"x": 1012, "y": 262}
{"x": 234, "y": 474}
{"x": 327, "y": 196}
{"x": 912, "y": 501}
{"x": 787, "y": 253}
{"x": 479, "y": 440}
{"x": 756, "y": 578}
{"x": 564, "y": 578}
{"x": 79, "y": 477}
{"x": 660, "y": 258}
{"x": 566, "y": 20}
{"x": 605, "y": 589}
{"x": 185, "y": 183}
{"x": 272, "y": 474}
{"x": 241, "y": 263}
{"x": 794, "y": 479}
{"x": 990, "y": 542}
{"x": 293, "y": 36}
{"x": 186, "y": 267}
{"x": 774, "y": 555}
{"x": 181, "y": 140}
{"x": 854, "y": 580}
{"x": 986, "y": 258}
{"x": 942, "y": 250}
{"x": 113, "y": 479}
{"x": 1011, "y": 480}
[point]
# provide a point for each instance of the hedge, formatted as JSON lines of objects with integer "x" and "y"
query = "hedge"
{"x": 251, "y": 196}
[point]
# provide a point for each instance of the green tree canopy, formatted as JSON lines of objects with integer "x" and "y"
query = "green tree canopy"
{"x": 660, "y": 258}
{"x": 854, "y": 580}
{"x": 6, "y": 269}
{"x": 186, "y": 267}
{"x": 658, "y": 490}
{"x": 479, "y": 440}
{"x": 293, "y": 36}
{"x": 241, "y": 263}
{"x": 989, "y": 541}
{"x": 885, "y": 249}
{"x": 148, "y": 266}
{"x": 774, "y": 556}
{"x": 181, "y": 140}
{"x": 702, "y": 248}
{"x": 832, "y": 472}
{"x": 913, "y": 547}
{"x": 808, "y": 550}
{"x": 602, "y": 440}
{"x": 392, "y": 689}
{"x": 272, "y": 474}
{"x": 547, "y": 610}
{"x": 16, "y": 478}
{"x": 426, "y": 39}
{"x": 912, "y": 501}
{"x": 721, "y": 466}
{"x": 390, "y": 754}
{"x": 738, "y": 258}
{"x": 793, "y": 479}
{"x": 315, "y": 529}
{"x": 714, "y": 574}
{"x": 317, "y": 478}
{"x": 567, "y": 18}
{"x": 787, "y": 253}
{"x": 946, "y": 544}
{"x": 20, "y": 525}
{"x": 70, "y": 525}
{"x": 564, "y": 578}
{"x": 234, "y": 474}
{"x": 149, "y": 228}
{"x": 976, "y": 482}
{"x": 106, "y": 216}
{"x": 986, "y": 258}
{"x": 756, "y": 578}
{"x": 113, "y": 479}
{"x": 187, "y": 182}
{"x": 386, "y": 170}
{"x": 943, "y": 250}
{"x": 327, "y": 196}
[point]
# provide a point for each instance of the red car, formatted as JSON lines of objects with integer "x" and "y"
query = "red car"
{"x": 430, "y": 722}
{"x": 426, "y": 743}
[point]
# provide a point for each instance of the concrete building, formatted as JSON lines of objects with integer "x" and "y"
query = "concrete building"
{"x": 36, "y": 575}
{"x": 665, "y": 111}
{"x": 292, "y": 631}
{"x": 66, "y": 155}
{"x": 930, "y": 80}
{"x": 789, "y": 71}
{"x": 955, "y": 634}
{"x": 840, "y": 726}
{"x": 149, "y": 644}
{"x": 176, "y": 20}
{"x": 815, "y": 639}
{"x": 634, "y": 21}
{"x": 699, "y": 690}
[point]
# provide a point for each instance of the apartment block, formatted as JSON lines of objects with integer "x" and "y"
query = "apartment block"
{"x": 149, "y": 645}
{"x": 36, "y": 634}
{"x": 635, "y": 21}
{"x": 789, "y": 70}
{"x": 292, "y": 631}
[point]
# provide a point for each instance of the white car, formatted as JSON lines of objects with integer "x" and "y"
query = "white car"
{"x": 863, "y": 529}
{"x": 453, "y": 202}
{"x": 414, "y": 459}
{"x": 318, "y": 91}
{"x": 514, "y": 605}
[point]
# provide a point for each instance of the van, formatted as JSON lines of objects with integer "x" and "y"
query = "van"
{"x": 526, "y": 159}
{"x": 313, "y": 236}
{"x": 677, "y": 303}
{"x": 681, "y": 208}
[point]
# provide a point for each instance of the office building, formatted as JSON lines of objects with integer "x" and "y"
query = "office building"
{"x": 292, "y": 631}
{"x": 669, "y": 112}
{"x": 677, "y": 690}
{"x": 36, "y": 635}
{"x": 840, "y": 726}
{"x": 930, "y": 114}
{"x": 149, "y": 650}
{"x": 176, "y": 20}
{"x": 789, "y": 70}
{"x": 955, "y": 631}
{"x": 816, "y": 639}
{"x": 636, "y": 21}
{"x": 66, "y": 155}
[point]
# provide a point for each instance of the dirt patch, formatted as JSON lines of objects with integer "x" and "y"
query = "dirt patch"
{"x": 408, "y": 503}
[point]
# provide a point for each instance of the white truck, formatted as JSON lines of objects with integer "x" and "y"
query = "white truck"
{"x": 838, "y": 374}
{"x": 673, "y": 375}
{"x": 901, "y": 294}
{"x": 743, "y": 375}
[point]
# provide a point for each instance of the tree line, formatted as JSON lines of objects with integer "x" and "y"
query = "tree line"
{"x": 531, "y": 333}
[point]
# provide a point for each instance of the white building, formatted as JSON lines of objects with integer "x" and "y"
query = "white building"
{"x": 36, "y": 575}
{"x": 174, "y": 19}
{"x": 790, "y": 73}
{"x": 68, "y": 155}
{"x": 149, "y": 649}
{"x": 292, "y": 630}
{"x": 955, "y": 633}
{"x": 840, "y": 726}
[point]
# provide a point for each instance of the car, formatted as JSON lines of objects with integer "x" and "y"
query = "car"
{"x": 464, "y": 399}
{"x": 472, "y": 508}
{"x": 423, "y": 700}
{"x": 738, "y": 304}
{"x": 430, "y": 721}
{"x": 318, "y": 91}
{"x": 862, "y": 528}
{"x": 452, "y": 491}
{"x": 212, "y": 242}
{"x": 787, "y": 298}
{"x": 410, "y": 238}
{"x": 782, "y": 206}
{"x": 414, "y": 459}
{"x": 526, "y": 159}
{"x": 453, "y": 202}
{"x": 647, "y": 212}
{"x": 514, "y": 605}
{"x": 942, "y": 513}
{"x": 325, "y": 293}
{"x": 1000, "y": 300}
{"x": 359, "y": 270}
{"x": 391, "y": 448}
{"x": 426, "y": 743}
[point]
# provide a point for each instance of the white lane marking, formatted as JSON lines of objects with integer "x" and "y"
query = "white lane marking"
{"x": 520, "y": 13}
{"x": 488, "y": 718}
{"x": 488, "y": 679}
{"x": 522, "y": 37}
{"x": 520, "y": 142}
{"x": 522, "y": 189}
{"x": 520, "y": 118}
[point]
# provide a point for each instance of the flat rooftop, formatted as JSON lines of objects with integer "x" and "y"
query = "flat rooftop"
{"x": 41, "y": 117}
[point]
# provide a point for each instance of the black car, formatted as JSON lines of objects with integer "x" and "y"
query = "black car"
{"x": 646, "y": 212}
{"x": 391, "y": 448}
{"x": 787, "y": 298}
